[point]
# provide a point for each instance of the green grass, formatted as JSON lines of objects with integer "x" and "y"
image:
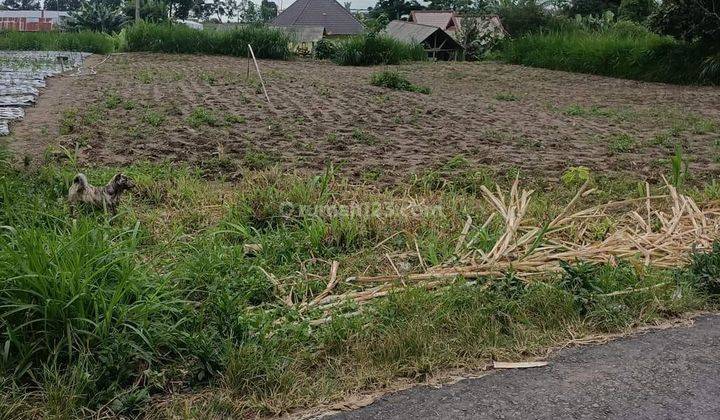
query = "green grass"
{"x": 622, "y": 143}
{"x": 179, "y": 39}
{"x": 370, "y": 50}
{"x": 506, "y": 97}
{"x": 102, "y": 315}
{"x": 394, "y": 80}
{"x": 647, "y": 57}
{"x": 202, "y": 116}
{"x": 91, "y": 42}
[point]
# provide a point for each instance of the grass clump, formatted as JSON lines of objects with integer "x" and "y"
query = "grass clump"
{"x": 179, "y": 39}
{"x": 372, "y": 49}
{"x": 622, "y": 143}
{"x": 394, "y": 80}
{"x": 202, "y": 116}
{"x": 647, "y": 57}
{"x": 85, "y": 41}
{"x": 506, "y": 96}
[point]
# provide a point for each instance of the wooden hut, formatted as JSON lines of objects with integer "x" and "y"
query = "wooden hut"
{"x": 438, "y": 43}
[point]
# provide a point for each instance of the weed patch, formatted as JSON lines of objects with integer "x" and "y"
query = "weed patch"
{"x": 395, "y": 80}
{"x": 622, "y": 143}
{"x": 202, "y": 116}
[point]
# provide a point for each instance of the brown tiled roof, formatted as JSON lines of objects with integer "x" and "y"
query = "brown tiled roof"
{"x": 326, "y": 13}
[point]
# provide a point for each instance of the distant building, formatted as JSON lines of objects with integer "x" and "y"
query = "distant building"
{"x": 450, "y": 22}
{"x": 447, "y": 20}
{"x": 327, "y": 14}
{"x": 31, "y": 20}
{"x": 437, "y": 42}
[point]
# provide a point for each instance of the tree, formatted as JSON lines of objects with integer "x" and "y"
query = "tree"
{"x": 250, "y": 14}
{"x": 636, "y": 10}
{"x": 180, "y": 9}
{"x": 457, "y": 5}
{"x": 592, "y": 7}
{"x": 96, "y": 16}
{"x": 154, "y": 11}
{"x": 268, "y": 10}
{"x": 394, "y": 9}
{"x": 22, "y": 4}
{"x": 689, "y": 20}
{"x": 63, "y": 5}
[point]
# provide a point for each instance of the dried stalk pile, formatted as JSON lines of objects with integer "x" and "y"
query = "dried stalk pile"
{"x": 659, "y": 230}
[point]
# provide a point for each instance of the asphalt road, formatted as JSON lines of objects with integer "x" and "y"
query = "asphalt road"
{"x": 660, "y": 374}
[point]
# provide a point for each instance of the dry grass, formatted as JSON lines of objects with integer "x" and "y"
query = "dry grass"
{"x": 661, "y": 231}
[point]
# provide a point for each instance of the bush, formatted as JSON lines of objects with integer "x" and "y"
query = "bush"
{"x": 324, "y": 49}
{"x": 636, "y": 10}
{"x": 395, "y": 80}
{"x": 91, "y": 42}
{"x": 650, "y": 58}
{"x": 371, "y": 49}
{"x": 180, "y": 39}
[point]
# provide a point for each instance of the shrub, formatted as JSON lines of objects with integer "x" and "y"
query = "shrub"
{"x": 371, "y": 49}
{"x": 85, "y": 41}
{"x": 395, "y": 80}
{"x": 324, "y": 49}
{"x": 179, "y": 39}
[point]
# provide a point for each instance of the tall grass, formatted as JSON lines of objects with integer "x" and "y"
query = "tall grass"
{"x": 92, "y": 42}
{"x": 371, "y": 49}
{"x": 647, "y": 57}
{"x": 179, "y": 39}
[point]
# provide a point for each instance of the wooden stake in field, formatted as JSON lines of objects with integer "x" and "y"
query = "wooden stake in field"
{"x": 252, "y": 53}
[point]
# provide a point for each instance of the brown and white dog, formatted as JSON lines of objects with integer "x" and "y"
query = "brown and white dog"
{"x": 106, "y": 197}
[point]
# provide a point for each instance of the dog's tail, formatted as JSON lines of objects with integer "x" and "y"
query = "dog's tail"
{"x": 81, "y": 181}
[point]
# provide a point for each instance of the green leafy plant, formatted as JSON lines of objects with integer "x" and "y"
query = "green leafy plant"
{"x": 506, "y": 96}
{"x": 678, "y": 168}
{"x": 394, "y": 80}
{"x": 324, "y": 49}
{"x": 622, "y": 143}
{"x": 575, "y": 175}
{"x": 201, "y": 116}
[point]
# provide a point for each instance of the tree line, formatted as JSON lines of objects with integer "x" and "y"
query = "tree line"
{"x": 157, "y": 10}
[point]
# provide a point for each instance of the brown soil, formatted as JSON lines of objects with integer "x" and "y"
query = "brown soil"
{"x": 504, "y": 116}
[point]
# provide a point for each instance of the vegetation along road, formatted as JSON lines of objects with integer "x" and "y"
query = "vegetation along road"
{"x": 660, "y": 374}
